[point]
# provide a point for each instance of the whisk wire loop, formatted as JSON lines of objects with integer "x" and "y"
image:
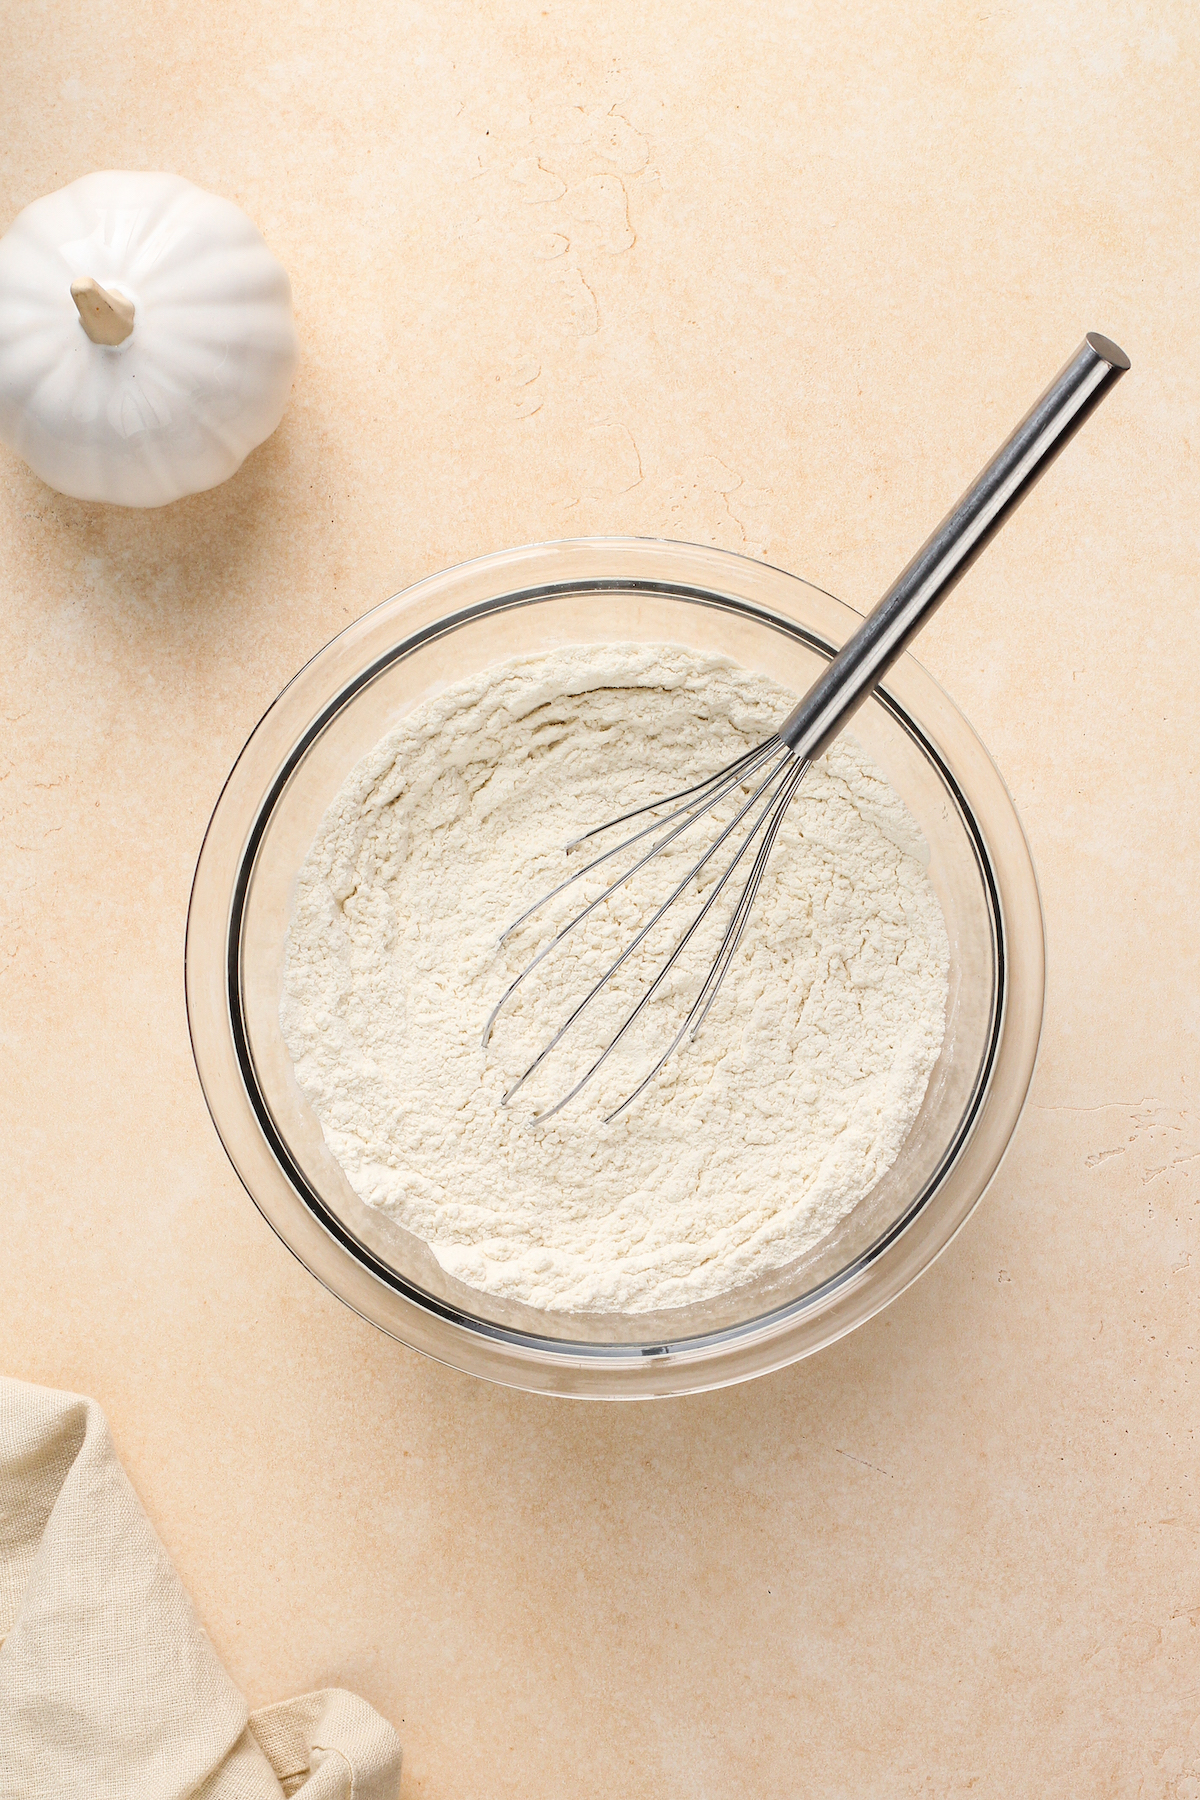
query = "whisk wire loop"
{"x": 729, "y": 778}
{"x": 738, "y": 769}
{"x": 719, "y": 967}
{"x": 778, "y": 775}
{"x": 712, "y": 791}
{"x": 646, "y": 929}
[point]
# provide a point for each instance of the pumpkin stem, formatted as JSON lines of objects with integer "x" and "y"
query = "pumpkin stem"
{"x": 107, "y": 318}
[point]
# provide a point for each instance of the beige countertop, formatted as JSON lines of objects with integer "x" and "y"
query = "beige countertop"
{"x": 770, "y": 277}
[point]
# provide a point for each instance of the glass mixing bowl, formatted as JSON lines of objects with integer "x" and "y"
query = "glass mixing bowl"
{"x": 519, "y": 601}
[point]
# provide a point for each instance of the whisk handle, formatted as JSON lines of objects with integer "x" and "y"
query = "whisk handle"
{"x": 946, "y": 556}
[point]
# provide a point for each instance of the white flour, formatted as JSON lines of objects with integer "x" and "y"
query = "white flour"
{"x": 756, "y": 1139}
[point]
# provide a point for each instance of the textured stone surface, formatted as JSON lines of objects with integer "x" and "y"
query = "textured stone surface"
{"x": 775, "y": 278}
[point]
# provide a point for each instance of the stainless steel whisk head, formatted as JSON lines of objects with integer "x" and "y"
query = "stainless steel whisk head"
{"x": 756, "y": 820}
{"x": 760, "y": 784}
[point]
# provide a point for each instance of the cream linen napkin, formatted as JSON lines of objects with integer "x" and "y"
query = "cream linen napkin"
{"x": 109, "y": 1687}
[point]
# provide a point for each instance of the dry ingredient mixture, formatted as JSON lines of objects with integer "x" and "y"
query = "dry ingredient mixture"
{"x": 756, "y": 1139}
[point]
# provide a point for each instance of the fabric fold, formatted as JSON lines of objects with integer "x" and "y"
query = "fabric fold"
{"x": 109, "y": 1686}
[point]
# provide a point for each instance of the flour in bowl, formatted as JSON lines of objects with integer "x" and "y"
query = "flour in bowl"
{"x": 756, "y": 1138}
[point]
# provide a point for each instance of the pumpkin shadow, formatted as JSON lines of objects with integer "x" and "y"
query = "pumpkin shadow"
{"x": 202, "y": 567}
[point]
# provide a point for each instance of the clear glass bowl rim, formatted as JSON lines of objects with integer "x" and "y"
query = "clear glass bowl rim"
{"x": 545, "y": 1364}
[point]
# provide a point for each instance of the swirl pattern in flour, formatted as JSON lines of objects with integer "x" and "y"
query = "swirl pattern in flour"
{"x": 757, "y": 1138}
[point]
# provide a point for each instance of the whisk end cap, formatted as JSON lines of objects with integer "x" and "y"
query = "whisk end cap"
{"x": 1112, "y": 353}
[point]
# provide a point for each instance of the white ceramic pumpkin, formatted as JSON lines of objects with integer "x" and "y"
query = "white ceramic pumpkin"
{"x": 146, "y": 338}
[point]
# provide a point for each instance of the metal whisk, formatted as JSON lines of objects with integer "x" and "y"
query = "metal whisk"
{"x": 760, "y": 783}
